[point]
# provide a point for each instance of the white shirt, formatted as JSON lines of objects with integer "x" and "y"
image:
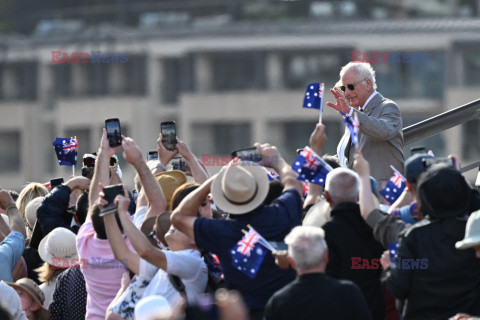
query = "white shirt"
{"x": 139, "y": 216}
{"x": 48, "y": 290}
{"x": 186, "y": 264}
{"x": 346, "y": 135}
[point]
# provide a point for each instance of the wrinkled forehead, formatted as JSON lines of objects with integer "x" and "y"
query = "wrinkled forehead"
{"x": 350, "y": 76}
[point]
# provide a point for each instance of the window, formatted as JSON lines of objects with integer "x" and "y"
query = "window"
{"x": 10, "y": 157}
{"x": 136, "y": 75}
{"x": 19, "y": 81}
{"x": 230, "y": 137}
{"x": 471, "y": 140}
{"x": 238, "y": 71}
{"x": 62, "y": 74}
{"x": 412, "y": 75}
{"x": 302, "y": 68}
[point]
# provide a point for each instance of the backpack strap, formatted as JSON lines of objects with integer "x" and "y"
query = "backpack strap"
{"x": 178, "y": 284}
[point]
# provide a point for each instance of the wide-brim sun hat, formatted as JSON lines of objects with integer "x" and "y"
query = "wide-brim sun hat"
{"x": 240, "y": 187}
{"x": 58, "y": 247}
{"x": 32, "y": 289}
{"x": 472, "y": 232}
{"x": 169, "y": 181}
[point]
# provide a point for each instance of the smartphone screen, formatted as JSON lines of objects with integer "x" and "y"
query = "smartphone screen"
{"x": 152, "y": 155}
{"x": 55, "y": 182}
{"x": 248, "y": 154}
{"x": 114, "y": 134}
{"x": 278, "y": 245}
{"x": 169, "y": 135}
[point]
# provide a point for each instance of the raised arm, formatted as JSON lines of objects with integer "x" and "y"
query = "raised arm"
{"x": 367, "y": 201}
{"x": 119, "y": 247}
{"x": 153, "y": 192}
{"x": 318, "y": 139}
{"x": 199, "y": 175}
{"x": 15, "y": 219}
{"x": 102, "y": 171}
{"x": 183, "y": 217}
{"x": 272, "y": 158}
{"x": 140, "y": 242}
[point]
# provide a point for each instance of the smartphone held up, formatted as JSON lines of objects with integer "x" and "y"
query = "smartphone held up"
{"x": 111, "y": 193}
{"x": 114, "y": 133}
{"x": 169, "y": 135}
{"x": 248, "y": 154}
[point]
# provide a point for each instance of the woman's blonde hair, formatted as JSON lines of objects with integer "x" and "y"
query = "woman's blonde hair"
{"x": 30, "y": 192}
{"x": 47, "y": 273}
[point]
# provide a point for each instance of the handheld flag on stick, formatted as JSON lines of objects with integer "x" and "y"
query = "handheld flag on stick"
{"x": 248, "y": 254}
{"x": 66, "y": 151}
{"x": 394, "y": 187}
{"x": 353, "y": 126}
{"x": 314, "y": 98}
{"x": 310, "y": 167}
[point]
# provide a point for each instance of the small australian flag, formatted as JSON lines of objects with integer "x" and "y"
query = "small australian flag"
{"x": 310, "y": 167}
{"x": 66, "y": 150}
{"x": 248, "y": 253}
{"x": 314, "y": 96}
{"x": 394, "y": 187}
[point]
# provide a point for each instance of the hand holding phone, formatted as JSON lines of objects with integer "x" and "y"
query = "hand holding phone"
{"x": 179, "y": 164}
{"x": 114, "y": 133}
{"x": 110, "y": 194}
{"x": 55, "y": 182}
{"x": 169, "y": 135}
{"x": 248, "y": 154}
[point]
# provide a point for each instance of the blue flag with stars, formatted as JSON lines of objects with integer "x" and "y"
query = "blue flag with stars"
{"x": 394, "y": 187}
{"x": 310, "y": 167}
{"x": 314, "y": 96}
{"x": 66, "y": 150}
{"x": 248, "y": 253}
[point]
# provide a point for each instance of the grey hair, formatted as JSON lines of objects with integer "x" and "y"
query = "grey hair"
{"x": 306, "y": 246}
{"x": 363, "y": 69}
{"x": 342, "y": 185}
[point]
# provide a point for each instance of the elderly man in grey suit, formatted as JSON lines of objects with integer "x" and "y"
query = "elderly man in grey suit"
{"x": 381, "y": 137}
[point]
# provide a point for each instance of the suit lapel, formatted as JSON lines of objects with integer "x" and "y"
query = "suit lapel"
{"x": 372, "y": 104}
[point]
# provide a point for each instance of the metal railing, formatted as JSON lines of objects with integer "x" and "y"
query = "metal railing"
{"x": 442, "y": 122}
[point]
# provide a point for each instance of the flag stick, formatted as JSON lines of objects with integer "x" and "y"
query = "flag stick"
{"x": 73, "y": 170}
{"x": 320, "y": 111}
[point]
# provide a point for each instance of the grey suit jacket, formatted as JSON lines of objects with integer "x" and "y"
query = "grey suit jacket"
{"x": 381, "y": 137}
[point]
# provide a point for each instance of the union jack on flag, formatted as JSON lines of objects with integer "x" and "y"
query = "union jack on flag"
{"x": 394, "y": 187}
{"x": 66, "y": 151}
{"x": 310, "y": 167}
{"x": 354, "y": 126}
{"x": 248, "y": 254}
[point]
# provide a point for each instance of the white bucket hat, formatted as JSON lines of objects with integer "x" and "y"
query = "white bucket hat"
{"x": 152, "y": 307}
{"x": 240, "y": 187}
{"x": 472, "y": 232}
{"x": 31, "y": 211}
{"x": 59, "y": 243}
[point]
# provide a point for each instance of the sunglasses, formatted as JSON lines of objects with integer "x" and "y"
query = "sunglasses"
{"x": 350, "y": 86}
{"x": 89, "y": 160}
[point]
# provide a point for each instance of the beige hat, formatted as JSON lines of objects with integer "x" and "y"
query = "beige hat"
{"x": 60, "y": 243}
{"x": 472, "y": 232}
{"x": 240, "y": 187}
{"x": 169, "y": 181}
{"x": 31, "y": 211}
{"x": 33, "y": 290}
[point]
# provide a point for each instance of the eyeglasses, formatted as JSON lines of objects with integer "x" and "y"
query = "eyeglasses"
{"x": 89, "y": 160}
{"x": 351, "y": 86}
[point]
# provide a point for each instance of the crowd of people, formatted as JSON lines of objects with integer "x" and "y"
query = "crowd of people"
{"x": 170, "y": 249}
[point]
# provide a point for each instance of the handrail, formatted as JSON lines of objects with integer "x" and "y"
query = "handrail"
{"x": 442, "y": 122}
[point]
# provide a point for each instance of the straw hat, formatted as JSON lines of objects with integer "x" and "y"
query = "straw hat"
{"x": 152, "y": 307}
{"x": 59, "y": 243}
{"x": 472, "y": 232}
{"x": 158, "y": 225}
{"x": 31, "y": 211}
{"x": 169, "y": 181}
{"x": 240, "y": 187}
{"x": 29, "y": 287}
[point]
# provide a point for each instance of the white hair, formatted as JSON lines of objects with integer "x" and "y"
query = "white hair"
{"x": 306, "y": 246}
{"x": 342, "y": 185}
{"x": 363, "y": 69}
